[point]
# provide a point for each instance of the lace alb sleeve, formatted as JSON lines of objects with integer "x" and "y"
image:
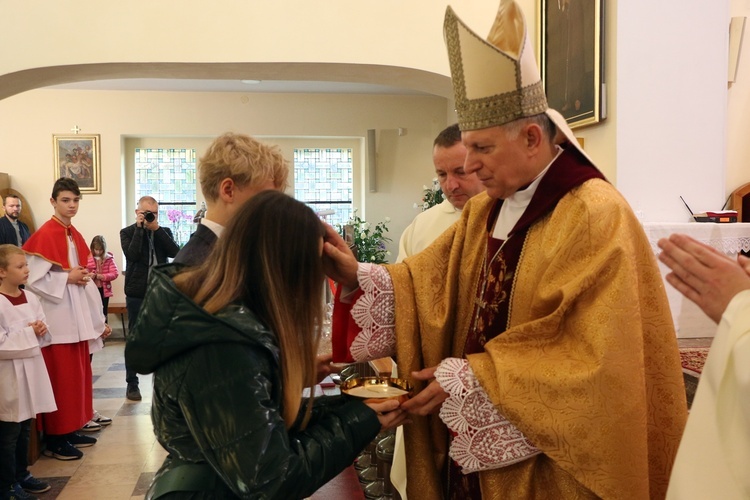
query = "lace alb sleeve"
{"x": 374, "y": 313}
{"x": 484, "y": 439}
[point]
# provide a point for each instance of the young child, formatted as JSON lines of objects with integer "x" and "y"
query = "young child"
{"x": 102, "y": 264}
{"x": 26, "y": 385}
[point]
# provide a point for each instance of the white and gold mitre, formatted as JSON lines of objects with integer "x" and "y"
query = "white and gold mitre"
{"x": 495, "y": 81}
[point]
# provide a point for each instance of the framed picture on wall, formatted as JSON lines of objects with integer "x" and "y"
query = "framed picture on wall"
{"x": 77, "y": 157}
{"x": 571, "y": 42}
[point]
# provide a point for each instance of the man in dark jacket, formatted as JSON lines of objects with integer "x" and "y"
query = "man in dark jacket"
{"x": 12, "y": 230}
{"x": 145, "y": 244}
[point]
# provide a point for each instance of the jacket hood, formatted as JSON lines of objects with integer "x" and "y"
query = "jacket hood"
{"x": 170, "y": 324}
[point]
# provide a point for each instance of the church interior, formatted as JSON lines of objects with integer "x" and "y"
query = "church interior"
{"x": 368, "y": 76}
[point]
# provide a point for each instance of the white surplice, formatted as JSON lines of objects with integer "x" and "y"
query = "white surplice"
{"x": 74, "y": 313}
{"x": 26, "y": 389}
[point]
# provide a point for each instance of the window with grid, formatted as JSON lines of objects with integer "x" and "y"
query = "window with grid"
{"x": 323, "y": 180}
{"x": 169, "y": 176}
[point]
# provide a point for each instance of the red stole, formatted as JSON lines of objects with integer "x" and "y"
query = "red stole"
{"x": 491, "y": 314}
{"x": 50, "y": 242}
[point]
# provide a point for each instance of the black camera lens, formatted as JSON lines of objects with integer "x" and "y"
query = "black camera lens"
{"x": 149, "y": 216}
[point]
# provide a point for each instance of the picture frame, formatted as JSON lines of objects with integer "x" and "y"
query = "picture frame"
{"x": 78, "y": 157}
{"x": 571, "y": 48}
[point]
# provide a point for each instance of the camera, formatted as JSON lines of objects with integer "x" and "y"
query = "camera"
{"x": 149, "y": 216}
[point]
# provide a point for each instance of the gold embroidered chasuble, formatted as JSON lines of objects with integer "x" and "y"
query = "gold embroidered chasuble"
{"x": 588, "y": 367}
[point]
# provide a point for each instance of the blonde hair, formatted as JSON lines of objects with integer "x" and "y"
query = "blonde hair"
{"x": 247, "y": 161}
{"x": 269, "y": 260}
{"x": 6, "y": 250}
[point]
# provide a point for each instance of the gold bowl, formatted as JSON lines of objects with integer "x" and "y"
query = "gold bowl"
{"x": 377, "y": 387}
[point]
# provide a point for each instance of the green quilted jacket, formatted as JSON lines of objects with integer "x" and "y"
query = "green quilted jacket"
{"x": 217, "y": 405}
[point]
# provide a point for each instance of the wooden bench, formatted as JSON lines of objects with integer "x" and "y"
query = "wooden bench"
{"x": 119, "y": 308}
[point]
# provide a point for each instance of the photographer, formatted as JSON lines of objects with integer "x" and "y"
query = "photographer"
{"x": 145, "y": 244}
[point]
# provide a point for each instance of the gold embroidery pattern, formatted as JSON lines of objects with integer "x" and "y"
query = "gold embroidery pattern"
{"x": 591, "y": 338}
{"x": 492, "y": 110}
{"x": 589, "y": 368}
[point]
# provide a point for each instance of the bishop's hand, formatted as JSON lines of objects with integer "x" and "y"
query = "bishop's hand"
{"x": 339, "y": 262}
{"x": 430, "y": 399}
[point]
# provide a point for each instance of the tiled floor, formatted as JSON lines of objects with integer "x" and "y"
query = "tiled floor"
{"x": 124, "y": 460}
{"x": 122, "y": 463}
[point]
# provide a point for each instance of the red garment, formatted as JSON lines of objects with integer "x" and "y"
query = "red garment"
{"x": 343, "y": 327}
{"x": 50, "y": 242}
{"x": 69, "y": 371}
{"x": 16, "y": 301}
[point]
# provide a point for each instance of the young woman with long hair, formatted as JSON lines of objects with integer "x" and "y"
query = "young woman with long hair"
{"x": 232, "y": 344}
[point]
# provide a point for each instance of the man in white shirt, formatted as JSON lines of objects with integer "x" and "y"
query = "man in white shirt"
{"x": 448, "y": 155}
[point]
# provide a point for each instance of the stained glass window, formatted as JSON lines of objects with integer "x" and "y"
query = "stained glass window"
{"x": 169, "y": 176}
{"x": 323, "y": 180}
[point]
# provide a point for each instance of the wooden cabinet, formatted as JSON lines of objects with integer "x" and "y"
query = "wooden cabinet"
{"x": 741, "y": 202}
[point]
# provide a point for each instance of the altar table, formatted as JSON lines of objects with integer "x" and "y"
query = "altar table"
{"x": 730, "y": 238}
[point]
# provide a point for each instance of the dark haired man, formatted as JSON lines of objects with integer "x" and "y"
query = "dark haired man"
{"x": 12, "y": 230}
{"x": 458, "y": 186}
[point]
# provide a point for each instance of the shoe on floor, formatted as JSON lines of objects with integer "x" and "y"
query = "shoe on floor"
{"x": 79, "y": 440}
{"x": 91, "y": 426}
{"x": 17, "y": 493}
{"x": 133, "y": 393}
{"x": 34, "y": 485}
{"x": 101, "y": 419}
{"x": 62, "y": 450}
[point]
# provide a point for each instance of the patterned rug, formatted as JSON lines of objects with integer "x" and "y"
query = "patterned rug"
{"x": 693, "y": 359}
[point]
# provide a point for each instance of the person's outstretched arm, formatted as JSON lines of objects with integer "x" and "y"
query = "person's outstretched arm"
{"x": 247, "y": 441}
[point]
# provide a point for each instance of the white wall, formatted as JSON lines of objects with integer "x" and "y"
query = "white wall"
{"x": 388, "y": 33}
{"x": 738, "y": 110}
{"x": 671, "y": 105}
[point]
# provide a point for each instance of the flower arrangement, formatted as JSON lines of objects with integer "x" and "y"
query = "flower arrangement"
{"x": 431, "y": 196}
{"x": 369, "y": 240}
{"x": 182, "y": 224}
{"x": 175, "y": 216}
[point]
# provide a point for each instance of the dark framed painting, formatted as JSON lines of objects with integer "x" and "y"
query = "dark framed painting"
{"x": 571, "y": 43}
{"x": 77, "y": 157}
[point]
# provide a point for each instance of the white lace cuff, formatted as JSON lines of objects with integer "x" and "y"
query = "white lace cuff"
{"x": 374, "y": 313}
{"x": 484, "y": 438}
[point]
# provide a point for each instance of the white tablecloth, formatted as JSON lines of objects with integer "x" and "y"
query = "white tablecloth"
{"x": 690, "y": 321}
